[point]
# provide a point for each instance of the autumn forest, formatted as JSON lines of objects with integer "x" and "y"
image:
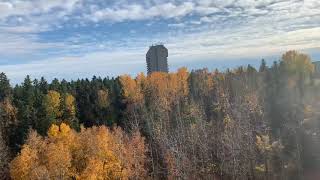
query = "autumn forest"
{"x": 243, "y": 123}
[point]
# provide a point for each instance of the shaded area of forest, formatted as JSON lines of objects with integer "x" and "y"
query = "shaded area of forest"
{"x": 238, "y": 124}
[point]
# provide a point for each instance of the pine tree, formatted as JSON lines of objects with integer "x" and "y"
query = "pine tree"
{"x": 23, "y": 100}
{"x": 5, "y": 88}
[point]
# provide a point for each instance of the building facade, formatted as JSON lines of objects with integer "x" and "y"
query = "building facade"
{"x": 157, "y": 59}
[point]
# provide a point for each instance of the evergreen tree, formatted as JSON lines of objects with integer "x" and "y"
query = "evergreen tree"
{"x": 5, "y": 89}
{"x": 43, "y": 86}
{"x": 24, "y": 100}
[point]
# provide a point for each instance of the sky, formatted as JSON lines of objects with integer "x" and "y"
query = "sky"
{"x": 74, "y": 39}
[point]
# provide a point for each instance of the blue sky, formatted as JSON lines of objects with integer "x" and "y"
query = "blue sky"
{"x": 79, "y": 38}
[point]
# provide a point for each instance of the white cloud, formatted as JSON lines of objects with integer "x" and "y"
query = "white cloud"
{"x": 139, "y": 12}
{"x": 17, "y": 45}
{"x": 199, "y": 46}
{"x": 199, "y": 29}
{"x": 31, "y": 28}
{"x": 99, "y": 63}
{"x": 28, "y": 8}
{"x": 175, "y": 25}
{"x": 5, "y": 9}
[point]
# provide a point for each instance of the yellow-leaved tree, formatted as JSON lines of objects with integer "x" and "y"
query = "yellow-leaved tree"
{"x": 297, "y": 63}
{"x": 92, "y": 153}
{"x": 131, "y": 89}
{"x": 52, "y": 103}
{"x": 69, "y": 110}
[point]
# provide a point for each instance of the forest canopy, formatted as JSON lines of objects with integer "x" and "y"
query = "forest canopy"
{"x": 243, "y": 123}
{"x": 92, "y": 153}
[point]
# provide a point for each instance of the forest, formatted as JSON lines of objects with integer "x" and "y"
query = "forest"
{"x": 242, "y": 123}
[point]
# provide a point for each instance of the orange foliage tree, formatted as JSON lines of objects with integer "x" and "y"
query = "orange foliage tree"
{"x": 131, "y": 89}
{"x": 93, "y": 153}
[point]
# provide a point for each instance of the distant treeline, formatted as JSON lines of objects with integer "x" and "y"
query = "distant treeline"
{"x": 243, "y": 123}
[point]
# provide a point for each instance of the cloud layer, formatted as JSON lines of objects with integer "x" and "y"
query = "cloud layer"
{"x": 68, "y": 33}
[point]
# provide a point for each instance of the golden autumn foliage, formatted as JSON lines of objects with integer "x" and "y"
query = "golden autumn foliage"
{"x": 131, "y": 89}
{"x": 297, "y": 63}
{"x": 70, "y": 105}
{"x": 182, "y": 77}
{"x": 60, "y": 108}
{"x": 52, "y": 104}
{"x": 93, "y": 153}
{"x": 141, "y": 80}
{"x": 166, "y": 88}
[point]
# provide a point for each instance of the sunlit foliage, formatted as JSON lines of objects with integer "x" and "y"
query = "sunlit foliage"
{"x": 53, "y": 104}
{"x": 93, "y": 153}
{"x": 297, "y": 63}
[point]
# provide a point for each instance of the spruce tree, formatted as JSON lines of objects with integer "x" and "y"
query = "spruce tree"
{"x": 5, "y": 89}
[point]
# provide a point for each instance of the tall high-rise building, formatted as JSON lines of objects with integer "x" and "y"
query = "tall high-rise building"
{"x": 157, "y": 59}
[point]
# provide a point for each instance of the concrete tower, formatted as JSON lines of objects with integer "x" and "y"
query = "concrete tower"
{"x": 157, "y": 59}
